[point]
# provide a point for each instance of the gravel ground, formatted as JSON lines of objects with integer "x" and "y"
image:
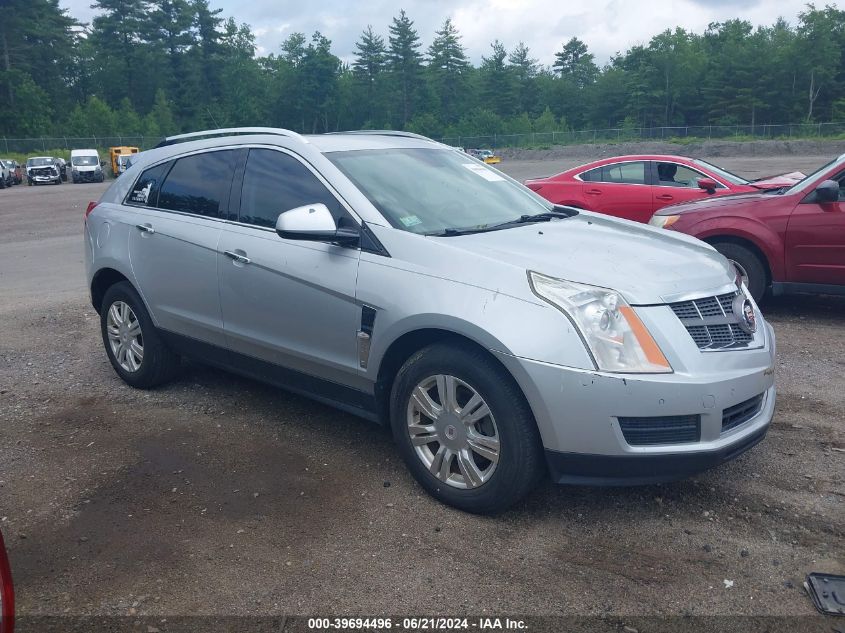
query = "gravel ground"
{"x": 219, "y": 495}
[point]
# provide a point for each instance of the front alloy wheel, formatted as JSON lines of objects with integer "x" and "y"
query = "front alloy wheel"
{"x": 125, "y": 337}
{"x": 453, "y": 431}
{"x": 464, "y": 428}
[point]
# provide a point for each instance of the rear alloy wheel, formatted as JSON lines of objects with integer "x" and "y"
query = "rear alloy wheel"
{"x": 747, "y": 265}
{"x": 134, "y": 346}
{"x": 464, "y": 429}
{"x": 125, "y": 337}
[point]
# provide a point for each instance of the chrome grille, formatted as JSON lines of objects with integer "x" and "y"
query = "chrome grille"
{"x": 711, "y": 322}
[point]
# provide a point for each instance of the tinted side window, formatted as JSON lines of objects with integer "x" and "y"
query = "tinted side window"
{"x": 146, "y": 188}
{"x": 674, "y": 175}
{"x": 199, "y": 184}
{"x": 629, "y": 173}
{"x": 275, "y": 182}
{"x": 594, "y": 175}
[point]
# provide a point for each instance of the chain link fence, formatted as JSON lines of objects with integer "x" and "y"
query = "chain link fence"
{"x": 48, "y": 143}
{"x": 530, "y": 139}
{"x": 618, "y": 135}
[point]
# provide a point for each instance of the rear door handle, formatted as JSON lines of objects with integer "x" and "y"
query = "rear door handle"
{"x": 665, "y": 196}
{"x": 241, "y": 259}
{"x": 146, "y": 228}
{"x": 593, "y": 192}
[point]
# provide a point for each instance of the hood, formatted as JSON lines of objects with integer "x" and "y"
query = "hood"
{"x": 776, "y": 182}
{"x": 724, "y": 204}
{"x": 643, "y": 263}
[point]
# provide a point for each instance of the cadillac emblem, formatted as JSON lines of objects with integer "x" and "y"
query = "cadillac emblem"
{"x": 743, "y": 310}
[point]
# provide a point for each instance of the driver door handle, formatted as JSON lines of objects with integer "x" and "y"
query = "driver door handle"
{"x": 145, "y": 228}
{"x": 593, "y": 192}
{"x": 241, "y": 259}
{"x": 665, "y": 197}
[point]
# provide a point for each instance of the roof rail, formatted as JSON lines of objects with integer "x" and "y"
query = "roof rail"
{"x": 387, "y": 133}
{"x": 231, "y": 131}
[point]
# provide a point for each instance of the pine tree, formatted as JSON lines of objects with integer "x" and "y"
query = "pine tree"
{"x": 524, "y": 70}
{"x": 209, "y": 47}
{"x": 498, "y": 87}
{"x": 368, "y": 68}
{"x": 447, "y": 67}
{"x": 118, "y": 54}
{"x": 573, "y": 61}
{"x": 405, "y": 63}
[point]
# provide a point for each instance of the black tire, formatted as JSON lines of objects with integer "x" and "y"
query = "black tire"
{"x": 750, "y": 262}
{"x": 521, "y": 463}
{"x": 160, "y": 364}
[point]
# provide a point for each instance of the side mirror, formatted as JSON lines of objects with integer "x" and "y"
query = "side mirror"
{"x": 314, "y": 223}
{"x": 102, "y": 163}
{"x": 708, "y": 184}
{"x": 827, "y": 191}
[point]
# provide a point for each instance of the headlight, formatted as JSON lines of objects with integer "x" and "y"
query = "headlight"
{"x": 663, "y": 221}
{"x": 612, "y": 331}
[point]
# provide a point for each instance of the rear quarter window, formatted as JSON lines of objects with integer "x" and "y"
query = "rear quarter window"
{"x": 145, "y": 190}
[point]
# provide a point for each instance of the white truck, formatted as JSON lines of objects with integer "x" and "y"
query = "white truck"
{"x": 86, "y": 166}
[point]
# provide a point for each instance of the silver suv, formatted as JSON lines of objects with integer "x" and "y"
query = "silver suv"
{"x": 501, "y": 337}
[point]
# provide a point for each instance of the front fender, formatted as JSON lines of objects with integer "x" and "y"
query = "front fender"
{"x": 757, "y": 233}
{"x": 496, "y": 321}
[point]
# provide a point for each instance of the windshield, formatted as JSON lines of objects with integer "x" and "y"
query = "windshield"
{"x": 84, "y": 161}
{"x": 429, "y": 191}
{"x": 41, "y": 161}
{"x": 804, "y": 184}
{"x": 723, "y": 173}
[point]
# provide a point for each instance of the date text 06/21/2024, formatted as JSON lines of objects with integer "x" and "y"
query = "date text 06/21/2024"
{"x": 416, "y": 624}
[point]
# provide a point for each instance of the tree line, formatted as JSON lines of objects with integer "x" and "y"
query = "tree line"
{"x": 156, "y": 67}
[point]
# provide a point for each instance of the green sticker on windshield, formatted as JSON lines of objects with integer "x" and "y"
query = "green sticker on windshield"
{"x": 410, "y": 220}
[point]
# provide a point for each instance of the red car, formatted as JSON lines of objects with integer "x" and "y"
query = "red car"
{"x": 792, "y": 241}
{"x": 634, "y": 187}
{"x": 7, "y": 594}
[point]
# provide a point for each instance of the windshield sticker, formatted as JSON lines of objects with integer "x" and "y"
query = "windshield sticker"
{"x": 410, "y": 220}
{"x": 484, "y": 172}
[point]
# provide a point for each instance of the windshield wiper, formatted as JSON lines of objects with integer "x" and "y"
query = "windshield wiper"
{"x": 545, "y": 216}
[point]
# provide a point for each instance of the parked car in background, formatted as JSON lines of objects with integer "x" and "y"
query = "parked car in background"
{"x": 501, "y": 337}
{"x": 15, "y": 167}
{"x": 7, "y": 592}
{"x": 634, "y": 187}
{"x": 790, "y": 241}
{"x": 42, "y": 170}
{"x": 62, "y": 165}
{"x": 119, "y": 156}
{"x": 86, "y": 166}
{"x": 485, "y": 155}
{"x": 5, "y": 175}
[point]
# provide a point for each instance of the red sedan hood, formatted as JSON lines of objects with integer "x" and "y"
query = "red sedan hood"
{"x": 776, "y": 182}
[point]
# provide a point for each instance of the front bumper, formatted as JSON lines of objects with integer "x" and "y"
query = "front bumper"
{"x": 39, "y": 178}
{"x": 87, "y": 176}
{"x": 578, "y": 413}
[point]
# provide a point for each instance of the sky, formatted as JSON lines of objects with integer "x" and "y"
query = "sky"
{"x": 607, "y": 26}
